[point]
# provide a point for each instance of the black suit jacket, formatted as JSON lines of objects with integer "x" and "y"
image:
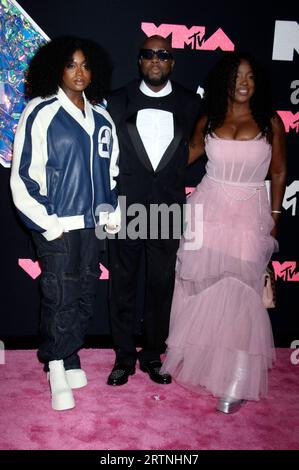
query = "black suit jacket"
{"x": 137, "y": 180}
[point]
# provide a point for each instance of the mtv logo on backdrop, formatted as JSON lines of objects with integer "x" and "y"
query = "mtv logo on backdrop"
{"x": 286, "y": 40}
{"x": 286, "y": 271}
{"x": 290, "y": 120}
{"x": 181, "y": 35}
{"x": 290, "y": 197}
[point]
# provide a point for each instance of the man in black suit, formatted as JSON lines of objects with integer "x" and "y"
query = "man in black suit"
{"x": 154, "y": 119}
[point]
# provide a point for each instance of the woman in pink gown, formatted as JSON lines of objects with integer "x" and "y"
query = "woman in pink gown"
{"x": 220, "y": 337}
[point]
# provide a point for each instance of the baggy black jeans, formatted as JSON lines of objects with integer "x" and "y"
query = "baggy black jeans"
{"x": 70, "y": 272}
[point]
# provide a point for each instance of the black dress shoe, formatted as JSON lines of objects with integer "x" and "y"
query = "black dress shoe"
{"x": 153, "y": 370}
{"x": 120, "y": 374}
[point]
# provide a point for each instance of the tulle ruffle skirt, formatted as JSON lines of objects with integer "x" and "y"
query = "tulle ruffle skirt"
{"x": 220, "y": 338}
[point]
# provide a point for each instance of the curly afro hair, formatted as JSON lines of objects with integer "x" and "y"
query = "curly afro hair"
{"x": 46, "y": 68}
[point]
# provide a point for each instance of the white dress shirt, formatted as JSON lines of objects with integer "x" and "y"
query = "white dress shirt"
{"x": 155, "y": 126}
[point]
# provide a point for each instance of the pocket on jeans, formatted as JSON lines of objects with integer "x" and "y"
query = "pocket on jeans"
{"x": 51, "y": 289}
{"x": 45, "y": 247}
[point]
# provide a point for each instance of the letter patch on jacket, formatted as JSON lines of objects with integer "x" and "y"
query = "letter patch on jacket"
{"x": 104, "y": 141}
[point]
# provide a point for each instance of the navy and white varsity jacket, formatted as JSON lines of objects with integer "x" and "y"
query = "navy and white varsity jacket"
{"x": 64, "y": 166}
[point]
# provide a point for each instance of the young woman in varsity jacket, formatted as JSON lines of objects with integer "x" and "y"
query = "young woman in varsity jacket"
{"x": 63, "y": 185}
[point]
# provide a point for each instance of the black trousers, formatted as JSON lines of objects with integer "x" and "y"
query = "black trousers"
{"x": 125, "y": 258}
{"x": 70, "y": 272}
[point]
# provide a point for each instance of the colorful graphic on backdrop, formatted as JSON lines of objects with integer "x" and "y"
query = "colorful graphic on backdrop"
{"x": 20, "y": 37}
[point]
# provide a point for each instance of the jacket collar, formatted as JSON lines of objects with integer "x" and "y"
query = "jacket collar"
{"x": 87, "y": 121}
{"x": 166, "y": 90}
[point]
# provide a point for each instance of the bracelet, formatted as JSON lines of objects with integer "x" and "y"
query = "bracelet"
{"x": 276, "y": 212}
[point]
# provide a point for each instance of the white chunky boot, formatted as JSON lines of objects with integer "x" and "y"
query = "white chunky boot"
{"x": 76, "y": 378}
{"x": 62, "y": 395}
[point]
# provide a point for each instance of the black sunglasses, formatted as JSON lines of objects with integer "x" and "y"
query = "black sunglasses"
{"x": 148, "y": 54}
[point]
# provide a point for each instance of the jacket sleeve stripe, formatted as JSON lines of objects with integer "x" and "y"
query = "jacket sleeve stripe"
{"x": 28, "y": 178}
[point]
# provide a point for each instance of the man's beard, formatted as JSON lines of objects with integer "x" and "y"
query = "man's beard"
{"x": 156, "y": 81}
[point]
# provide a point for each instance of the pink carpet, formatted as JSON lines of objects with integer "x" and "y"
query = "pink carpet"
{"x": 140, "y": 415}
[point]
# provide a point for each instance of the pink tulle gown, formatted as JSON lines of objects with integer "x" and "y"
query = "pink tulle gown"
{"x": 220, "y": 337}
